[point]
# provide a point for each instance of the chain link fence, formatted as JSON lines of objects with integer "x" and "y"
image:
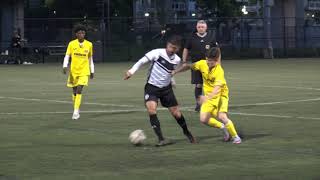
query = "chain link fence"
{"x": 127, "y": 39}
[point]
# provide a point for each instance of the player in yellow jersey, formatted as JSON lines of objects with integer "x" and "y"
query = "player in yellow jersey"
{"x": 81, "y": 67}
{"x": 216, "y": 93}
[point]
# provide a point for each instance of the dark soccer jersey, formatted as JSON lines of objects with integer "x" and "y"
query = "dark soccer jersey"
{"x": 198, "y": 46}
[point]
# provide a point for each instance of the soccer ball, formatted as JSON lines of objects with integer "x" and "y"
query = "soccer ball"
{"x": 137, "y": 137}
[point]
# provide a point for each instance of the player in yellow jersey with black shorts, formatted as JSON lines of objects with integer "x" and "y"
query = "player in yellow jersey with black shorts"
{"x": 216, "y": 93}
{"x": 81, "y": 67}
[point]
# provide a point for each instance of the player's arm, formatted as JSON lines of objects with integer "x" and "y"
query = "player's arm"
{"x": 66, "y": 60}
{"x": 91, "y": 63}
{"x": 185, "y": 54}
{"x": 182, "y": 68}
{"x": 216, "y": 90}
{"x": 91, "y": 68}
{"x": 135, "y": 67}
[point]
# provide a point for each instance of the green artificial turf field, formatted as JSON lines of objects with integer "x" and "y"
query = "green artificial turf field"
{"x": 275, "y": 104}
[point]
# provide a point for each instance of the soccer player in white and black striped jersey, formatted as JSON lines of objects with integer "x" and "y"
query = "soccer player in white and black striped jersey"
{"x": 159, "y": 86}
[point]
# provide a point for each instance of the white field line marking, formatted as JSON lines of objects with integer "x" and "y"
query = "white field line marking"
{"x": 288, "y": 87}
{"x": 279, "y": 102}
{"x": 124, "y": 105}
{"x": 64, "y": 102}
{"x": 161, "y": 109}
{"x": 272, "y": 115}
{"x": 186, "y": 84}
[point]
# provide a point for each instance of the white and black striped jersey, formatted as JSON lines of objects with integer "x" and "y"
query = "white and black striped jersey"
{"x": 161, "y": 67}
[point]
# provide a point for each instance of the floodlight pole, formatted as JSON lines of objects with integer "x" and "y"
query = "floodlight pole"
{"x": 103, "y": 26}
{"x": 267, "y": 28}
{"x": 108, "y": 24}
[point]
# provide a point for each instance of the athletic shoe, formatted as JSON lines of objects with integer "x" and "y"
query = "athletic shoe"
{"x": 237, "y": 140}
{"x": 75, "y": 116}
{"x": 164, "y": 143}
{"x": 191, "y": 138}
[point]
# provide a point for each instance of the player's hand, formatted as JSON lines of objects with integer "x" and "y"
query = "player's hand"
{"x": 91, "y": 75}
{"x": 173, "y": 73}
{"x": 203, "y": 99}
{"x": 127, "y": 75}
{"x": 64, "y": 70}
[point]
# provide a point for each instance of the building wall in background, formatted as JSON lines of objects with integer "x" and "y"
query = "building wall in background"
{"x": 11, "y": 18}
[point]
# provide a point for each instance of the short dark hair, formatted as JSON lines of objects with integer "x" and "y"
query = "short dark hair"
{"x": 79, "y": 27}
{"x": 175, "y": 40}
{"x": 213, "y": 53}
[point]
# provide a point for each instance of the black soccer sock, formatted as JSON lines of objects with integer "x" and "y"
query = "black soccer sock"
{"x": 155, "y": 124}
{"x": 197, "y": 92}
{"x": 182, "y": 122}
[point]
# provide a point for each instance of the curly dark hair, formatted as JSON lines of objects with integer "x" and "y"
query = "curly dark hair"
{"x": 79, "y": 27}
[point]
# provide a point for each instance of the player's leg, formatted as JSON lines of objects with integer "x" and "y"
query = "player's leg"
{"x": 197, "y": 94}
{"x": 154, "y": 121}
{"x": 168, "y": 99}
{"x": 72, "y": 84}
{"x": 81, "y": 81}
{"x": 207, "y": 117}
{"x": 230, "y": 127}
{"x": 151, "y": 102}
{"x": 77, "y": 102}
{"x": 74, "y": 93}
{"x": 222, "y": 115}
{"x": 196, "y": 78}
{"x": 176, "y": 113}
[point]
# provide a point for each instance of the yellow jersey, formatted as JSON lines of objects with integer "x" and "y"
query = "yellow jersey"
{"x": 211, "y": 78}
{"x": 80, "y": 57}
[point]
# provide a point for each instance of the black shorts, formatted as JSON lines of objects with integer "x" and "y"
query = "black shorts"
{"x": 196, "y": 77}
{"x": 165, "y": 94}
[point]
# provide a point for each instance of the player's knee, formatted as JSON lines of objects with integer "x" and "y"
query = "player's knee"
{"x": 151, "y": 111}
{"x": 175, "y": 112}
{"x": 79, "y": 90}
{"x": 223, "y": 117}
{"x": 203, "y": 120}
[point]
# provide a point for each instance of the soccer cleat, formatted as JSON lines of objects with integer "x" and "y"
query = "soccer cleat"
{"x": 164, "y": 142}
{"x": 191, "y": 138}
{"x": 237, "y": 140}
{"x": 75, "y": 116}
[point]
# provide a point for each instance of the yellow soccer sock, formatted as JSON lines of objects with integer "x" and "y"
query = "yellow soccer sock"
{"x": 77, "y": 101}
{"x": 231, "y": 129}
{"x": 214, "y": 123}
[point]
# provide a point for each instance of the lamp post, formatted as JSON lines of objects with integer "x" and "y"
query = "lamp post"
{"x": 147, "y": 15}
{"x": 267, "y": 28}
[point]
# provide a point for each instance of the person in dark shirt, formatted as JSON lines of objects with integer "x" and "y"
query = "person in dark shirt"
{"x": 196, "y": 48}
{"x": 16, "y": 46}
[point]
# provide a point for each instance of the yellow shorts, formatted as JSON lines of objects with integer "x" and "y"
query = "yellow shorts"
{"x": 77, "y": 81}
{"x": 213, "y": 106}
